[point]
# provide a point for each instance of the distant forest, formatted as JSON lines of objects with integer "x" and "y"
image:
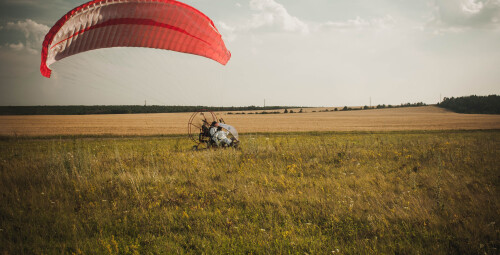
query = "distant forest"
{"x": 473, "y": 104}
{"x": 131, "y": 109}
{"x": 116, "y": 109}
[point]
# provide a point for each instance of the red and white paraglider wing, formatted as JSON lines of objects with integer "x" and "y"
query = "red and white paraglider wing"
{"x": 160, "y": 24}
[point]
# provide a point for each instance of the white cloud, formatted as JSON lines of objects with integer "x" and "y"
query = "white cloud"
{"x": 386, "y": 22}
{"x": 229, "y": 31}
{"x": 34, "y": 34}
{"x": 225, "y": 26}
{"x": 267, "y": 16}
{"x": 270, "y": 14}
{"x": 471, "y": 7}
{"x": 17, "y": 46}
{"x": 460, "y": 15}
{"x": 352, "y": 23}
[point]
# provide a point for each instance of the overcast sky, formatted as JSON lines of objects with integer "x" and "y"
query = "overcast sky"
{"x": 288, "y": 52}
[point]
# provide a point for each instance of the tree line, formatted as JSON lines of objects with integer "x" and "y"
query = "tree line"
{"x": 133, "y": 109}
{"x": 117, "y": 109}
{"x": 472, "y": 104}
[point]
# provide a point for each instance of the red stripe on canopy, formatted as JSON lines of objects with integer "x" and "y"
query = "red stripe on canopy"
{"x": 128, "y": 21}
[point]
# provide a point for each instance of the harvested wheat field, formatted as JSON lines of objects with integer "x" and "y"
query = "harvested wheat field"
{"x": 396, "y": 119}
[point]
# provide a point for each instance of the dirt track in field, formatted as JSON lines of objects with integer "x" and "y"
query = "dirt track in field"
{"x": 411, "y": 118}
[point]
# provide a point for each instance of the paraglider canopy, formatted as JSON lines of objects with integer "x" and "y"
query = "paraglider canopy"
{"x": 160, "y": 24}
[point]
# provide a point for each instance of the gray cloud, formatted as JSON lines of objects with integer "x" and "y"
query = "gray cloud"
{"x": 37, "y": 3}
{"x": 23, "y": 2}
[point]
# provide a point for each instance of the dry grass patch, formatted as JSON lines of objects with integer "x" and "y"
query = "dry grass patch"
{"x": 348, "y": 193}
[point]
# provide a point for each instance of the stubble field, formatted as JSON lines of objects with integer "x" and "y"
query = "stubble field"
{"x": 413, "y": 118}
{"x": 356, "y": 192}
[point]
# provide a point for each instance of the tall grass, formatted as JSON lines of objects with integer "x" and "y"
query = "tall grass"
{"x": 346, "y": 193}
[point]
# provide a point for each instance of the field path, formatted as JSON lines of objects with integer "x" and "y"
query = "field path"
{"x": 411, "y": 118}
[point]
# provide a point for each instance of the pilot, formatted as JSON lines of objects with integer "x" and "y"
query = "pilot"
{"x": 218, "y": 135}
{"x": 213, "y": 131}
{"x": 222, "y": 137}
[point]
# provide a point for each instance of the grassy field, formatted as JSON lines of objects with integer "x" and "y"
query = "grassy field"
{"x": 412, "y": 192}
{"x": 412, "y": 118}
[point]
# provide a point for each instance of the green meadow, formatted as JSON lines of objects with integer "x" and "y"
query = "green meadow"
{"x": 433, "y": 192}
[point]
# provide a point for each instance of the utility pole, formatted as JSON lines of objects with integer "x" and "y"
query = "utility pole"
{"x": 145, "y": 102}
{"x": 264, "y": 103}
{"x": 370, "y": 102}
